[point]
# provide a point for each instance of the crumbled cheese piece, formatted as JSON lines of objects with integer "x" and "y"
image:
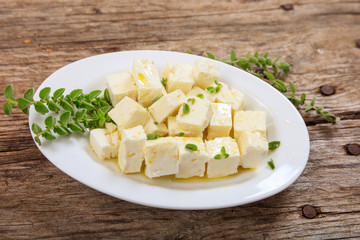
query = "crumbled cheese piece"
{"x": 253, "y": 147}
{"x": 252, "y": 121}
{"x": 221, "y": 121}
{"x": 176, "y": 130}
{"x": 178, "y": 76}
{"x": 120, "y": 85}
{"x": 206, "y": 72}
{"x": 231, "y": 96}
{"x": 102, "y": 145}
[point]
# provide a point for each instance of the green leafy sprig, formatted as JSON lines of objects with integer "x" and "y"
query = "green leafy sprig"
{"x": 77, "y": 110}
{"x": 269, "y": 69}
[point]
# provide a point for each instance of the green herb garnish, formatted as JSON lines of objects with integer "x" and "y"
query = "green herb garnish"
{"x": 186, "y": 108}
{"x": 157, "y": 98}
{"x": 153, "y": 136}
{"x": 192, "y": 100}
{"x": 211, "y": 89}
{"x": 200, "y": 96}
{"x": 271, "y": 164}
{"x": 80, "y": 110}
{"x": 181, "y": 134}
{"x": 269, "y": 70}
{"x": 164, "y": 81}
{"x": 191, "y": 147}
{"x": 222, "y": 155}
{"x": 156, "y": 123}
{"x": 274, "y": 145}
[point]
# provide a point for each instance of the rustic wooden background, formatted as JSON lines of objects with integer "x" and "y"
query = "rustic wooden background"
{"x": 318, "y": 38}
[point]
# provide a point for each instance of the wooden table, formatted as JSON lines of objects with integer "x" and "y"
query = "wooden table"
{"x": 318, "y": 38}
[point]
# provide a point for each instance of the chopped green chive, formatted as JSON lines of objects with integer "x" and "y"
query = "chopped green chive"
{"x": 192, "y": 100}
{"x": 156, "y": 123}
{"x": 200, "y": 96}
{"x": 191, "y": 147}
{"x": 157, "y": 98}
{"x": 186, "y": 108}
{"x": 274, "y": 145}
{"x": 271, "y": 164}
{"x": 153, "y": 136}
{"x": 181, "y": 134}
{"x": 164, "y": 81}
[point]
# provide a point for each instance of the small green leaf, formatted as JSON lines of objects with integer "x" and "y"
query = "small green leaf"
{"x": 186, "y": 108}
{"x": 93, "y": 94}
{"x": 281, "y": 85}
{"x": 319, "y": 109}
{"x": 87, "y": 105}
{"x": 191, "y": 147}
{"x": 44, "y": 93}
{"x": 49, "y": 136}
{"x": 200, "y": 96}
{"x": 303, "y": 98}
{"x": 189, "y": 52}
{"x": 313, "y": 101}
{"x": 107, "y": 95}
{"x": 210, "y": 55}
{"x": 226, "y": 155}
{"x": 75, "y": 93}
{"x": 223, "y": 150}
{"x": 274, "y": 145}
{"x": 153, "y": 136}
{"x": 65, "y": 118}
{"x": 25, "y": 111}
{"x": 37, "y": 140}
{"x": 156, "y": 123}
{"x": 266, "y": 54}
{"x": 60, "y": 130}
{"x": 75, "y": 127}
{"x": 50, "y": 122}
{"x": 253, "y": 60}
{"x": 79, "y": 115}
{"x": 164, "y": 81}
{"x": 66, "y": 105}
{"x": 181, "y": 134}
{"x": 41, "y": 108}
{"x": 269, "y": 75}
{"x": 256, "y": 54}
{"x": 58, "y": 93}
{"x": 52, "y": 106}
{"x": 248, "y": 54}
{"x": 23, "y": 103}
{"x": 218, "y": 156}
{"x": 285, "y": 67}
{"x": 36, "y": 128}
{"x": 7, "y": 108}
{"x": 275, "y": 69}
{"x": 211, "y": 89}
{"x": 233, "y": 55}
{"x": 157, "y": 98}
{"x": 217, "y": 89}
{"x": 292, "y": 87}
{"x": 271, "y": 164}
{"x": 9, "y": 91}
{"x": 257, "y": 75}
{"x": 268, "y": 62}
{"x": 28, "y": 95}
{"x": 277, "y": 58}
{"x": 105, "y": 109}
{"x": 308, "y": 108}
{"x": 192, "y": 100}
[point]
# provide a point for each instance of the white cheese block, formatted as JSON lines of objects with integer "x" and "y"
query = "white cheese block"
{"x": 176, "y": 130}
{"x": 231, "y": 96}
{"x": 161, "y": 157}
{"x": 200, "y": 93}
{"x": 152, "y": 127}
{"x": 128, "y": 113}
{"x": 131, "y": 153}
{"x": 224, "y": 166}
{"x": 101, "y": 144}
{"x": 252, "y": 121}
{"x": 221, "y": 121}
{"x": 167, "y": 105}
{"x": 147, "y": 81}
{"x": 191, "y": 163}
{"x": 120, "y": 85}
{"x": 253, "y": 147}
{"x": 198, "y": 118}
{"x": 206, "y": 72}
{"x": 178, "y": 76}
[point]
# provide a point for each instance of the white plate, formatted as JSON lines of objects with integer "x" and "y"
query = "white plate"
{"x": 73, "y": 156}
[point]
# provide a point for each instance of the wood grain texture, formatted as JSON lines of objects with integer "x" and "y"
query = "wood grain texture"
{"x": 318, "y": 38}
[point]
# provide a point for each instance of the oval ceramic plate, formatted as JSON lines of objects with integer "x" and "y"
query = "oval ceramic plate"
{"x": 73, "y": 156}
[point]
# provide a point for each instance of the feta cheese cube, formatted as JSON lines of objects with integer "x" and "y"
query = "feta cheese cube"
{"x": 221, "y": 121}
{"x": 152, "y": 127}
{"x": 147, "y": 81}
{"x": 102, "y": 145}
{"x": 121, "y": 85}
{"x": 200, "y": 93}
{"x": 206, "y": 72}
{"x": 223, "y": 166}
{"x": 167, "y": 105}
{"x": 176, "y": 130}
{"x": 191, "y": 163}
{"x": 253, "y": 147}
{"x": 131, "y": 153}
{"x": 161, "y": 157}
{"x": 198, "y": 118}
{"x": 179, "y": 76}
{"x": 252, "y": 121}
{"x": 128, "y": 113}
{"x": 231, "y": 96}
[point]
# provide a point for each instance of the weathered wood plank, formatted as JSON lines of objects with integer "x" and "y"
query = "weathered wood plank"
{"x": 318, "y": 38}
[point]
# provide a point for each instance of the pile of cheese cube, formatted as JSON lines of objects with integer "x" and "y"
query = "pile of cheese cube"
{"x": 214, "y": 120}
